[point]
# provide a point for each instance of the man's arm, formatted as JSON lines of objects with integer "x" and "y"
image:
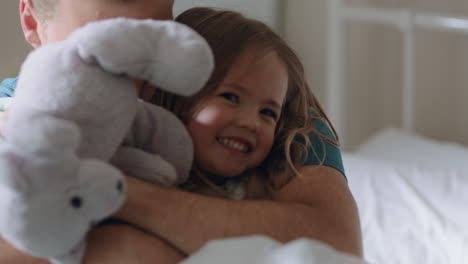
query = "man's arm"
{"x": 113, "y": 244}
{"x": 318, "y": 205}
{"x": 11, "y": 255}
{"x": 122, "y": 244}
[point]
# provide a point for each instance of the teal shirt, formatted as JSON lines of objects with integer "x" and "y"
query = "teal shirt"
{"x": 7, "y": 87}
{"x": 320, "y": 151}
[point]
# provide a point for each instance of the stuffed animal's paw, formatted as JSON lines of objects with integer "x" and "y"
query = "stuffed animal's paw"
{"x": 147, "y": 166}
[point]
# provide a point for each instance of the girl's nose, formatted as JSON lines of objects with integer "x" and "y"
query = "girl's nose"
{"x": 248, "y": 120}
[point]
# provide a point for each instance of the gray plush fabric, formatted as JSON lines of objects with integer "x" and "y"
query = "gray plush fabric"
{"x": 75, "y": 110}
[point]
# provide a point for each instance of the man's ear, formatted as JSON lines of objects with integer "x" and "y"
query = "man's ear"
{"x": 29, "y": 23}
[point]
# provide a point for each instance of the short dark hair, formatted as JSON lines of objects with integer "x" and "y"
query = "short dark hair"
{"x": 45, "y": 9}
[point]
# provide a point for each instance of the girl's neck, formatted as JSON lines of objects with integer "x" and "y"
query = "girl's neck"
{"x": 220, "y": 180}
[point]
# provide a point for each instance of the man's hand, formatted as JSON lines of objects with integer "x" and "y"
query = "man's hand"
{"x": 120, "y": 244}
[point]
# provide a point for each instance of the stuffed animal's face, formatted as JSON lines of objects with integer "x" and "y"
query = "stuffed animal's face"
{"x": 58, "y": 214}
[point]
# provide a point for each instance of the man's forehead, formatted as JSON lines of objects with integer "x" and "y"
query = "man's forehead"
{"x": 156, "y": 9}
{"x": 125, "y": 2}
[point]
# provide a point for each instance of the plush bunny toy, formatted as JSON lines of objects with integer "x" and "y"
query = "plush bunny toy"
{"x": 76, "y": 110}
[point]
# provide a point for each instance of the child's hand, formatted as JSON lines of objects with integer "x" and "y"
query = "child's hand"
{"x": 3, "y": 119}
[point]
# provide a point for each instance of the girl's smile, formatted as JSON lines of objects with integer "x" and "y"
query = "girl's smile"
{"x": 236, "y": 144}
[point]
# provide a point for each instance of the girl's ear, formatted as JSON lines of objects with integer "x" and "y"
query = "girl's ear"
{"x": 29, "y": 23}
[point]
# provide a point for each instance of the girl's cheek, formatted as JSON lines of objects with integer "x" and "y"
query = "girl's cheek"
{"x": 269, "y": 138}
{"x": 206, "y": 116}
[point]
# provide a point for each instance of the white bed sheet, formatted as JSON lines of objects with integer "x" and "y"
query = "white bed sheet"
{"x": 264, "y": 250}
{"x": 412, "y": 195}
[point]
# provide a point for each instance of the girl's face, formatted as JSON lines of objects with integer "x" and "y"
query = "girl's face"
{"x": 233, "y": 129}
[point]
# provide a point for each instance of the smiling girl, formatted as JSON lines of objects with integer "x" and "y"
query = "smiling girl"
{"x": 266, "y": 156}
{"x": 252, "y": 123}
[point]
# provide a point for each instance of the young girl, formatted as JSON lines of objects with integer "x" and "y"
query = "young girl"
{"x": 260, "y": 137}
{"x": 251, "y": 123}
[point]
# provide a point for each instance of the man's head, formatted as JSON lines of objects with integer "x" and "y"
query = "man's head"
{"x": 45, "y": 21}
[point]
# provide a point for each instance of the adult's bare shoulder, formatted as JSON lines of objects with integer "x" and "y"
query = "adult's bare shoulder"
{"x": 316, "y": 184}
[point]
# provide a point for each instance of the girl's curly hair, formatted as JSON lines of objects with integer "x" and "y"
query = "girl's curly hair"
{"x": 229, "y": 35}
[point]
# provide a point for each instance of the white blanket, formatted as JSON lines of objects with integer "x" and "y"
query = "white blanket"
{"x": 412, "y": 197}
{"x": 263, "y": 250}
{"x": 410, "y": 214}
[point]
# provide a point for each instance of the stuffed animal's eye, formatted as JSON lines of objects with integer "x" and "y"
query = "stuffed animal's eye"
{"x": 120, "y": 186}
{"x": 76, "y": 202}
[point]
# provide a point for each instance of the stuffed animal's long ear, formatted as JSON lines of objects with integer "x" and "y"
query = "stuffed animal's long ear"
{"x": 167, "y": 54}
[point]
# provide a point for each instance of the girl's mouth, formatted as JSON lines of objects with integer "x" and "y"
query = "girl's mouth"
{"x": 235, "y": 144}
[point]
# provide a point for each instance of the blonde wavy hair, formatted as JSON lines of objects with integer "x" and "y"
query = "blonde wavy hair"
{"x": 229, "y": 35}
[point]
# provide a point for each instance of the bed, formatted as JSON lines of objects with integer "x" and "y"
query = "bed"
{"x": 411, "y": 190}
{"x": 412, "y": 200}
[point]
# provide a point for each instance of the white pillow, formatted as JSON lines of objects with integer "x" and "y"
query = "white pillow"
{"x": 401, "y": 146}
{"x": 410, "y": 214}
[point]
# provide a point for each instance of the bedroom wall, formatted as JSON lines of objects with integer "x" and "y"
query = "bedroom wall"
{"x": 13, "y": 48}
{"x": 305, "y": 29}
{"x": 374, "y": 72}
{"x": 440, "y": 77}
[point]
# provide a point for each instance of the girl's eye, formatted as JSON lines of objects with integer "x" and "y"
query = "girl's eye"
{"x": 230, "y": 97}
{"x": 269, "y": 113}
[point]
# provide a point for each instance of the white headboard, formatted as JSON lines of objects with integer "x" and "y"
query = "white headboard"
{"x": 406, "y": 22}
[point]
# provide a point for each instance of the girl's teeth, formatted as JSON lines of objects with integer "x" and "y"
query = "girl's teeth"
{"x": 233, "y": 144}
